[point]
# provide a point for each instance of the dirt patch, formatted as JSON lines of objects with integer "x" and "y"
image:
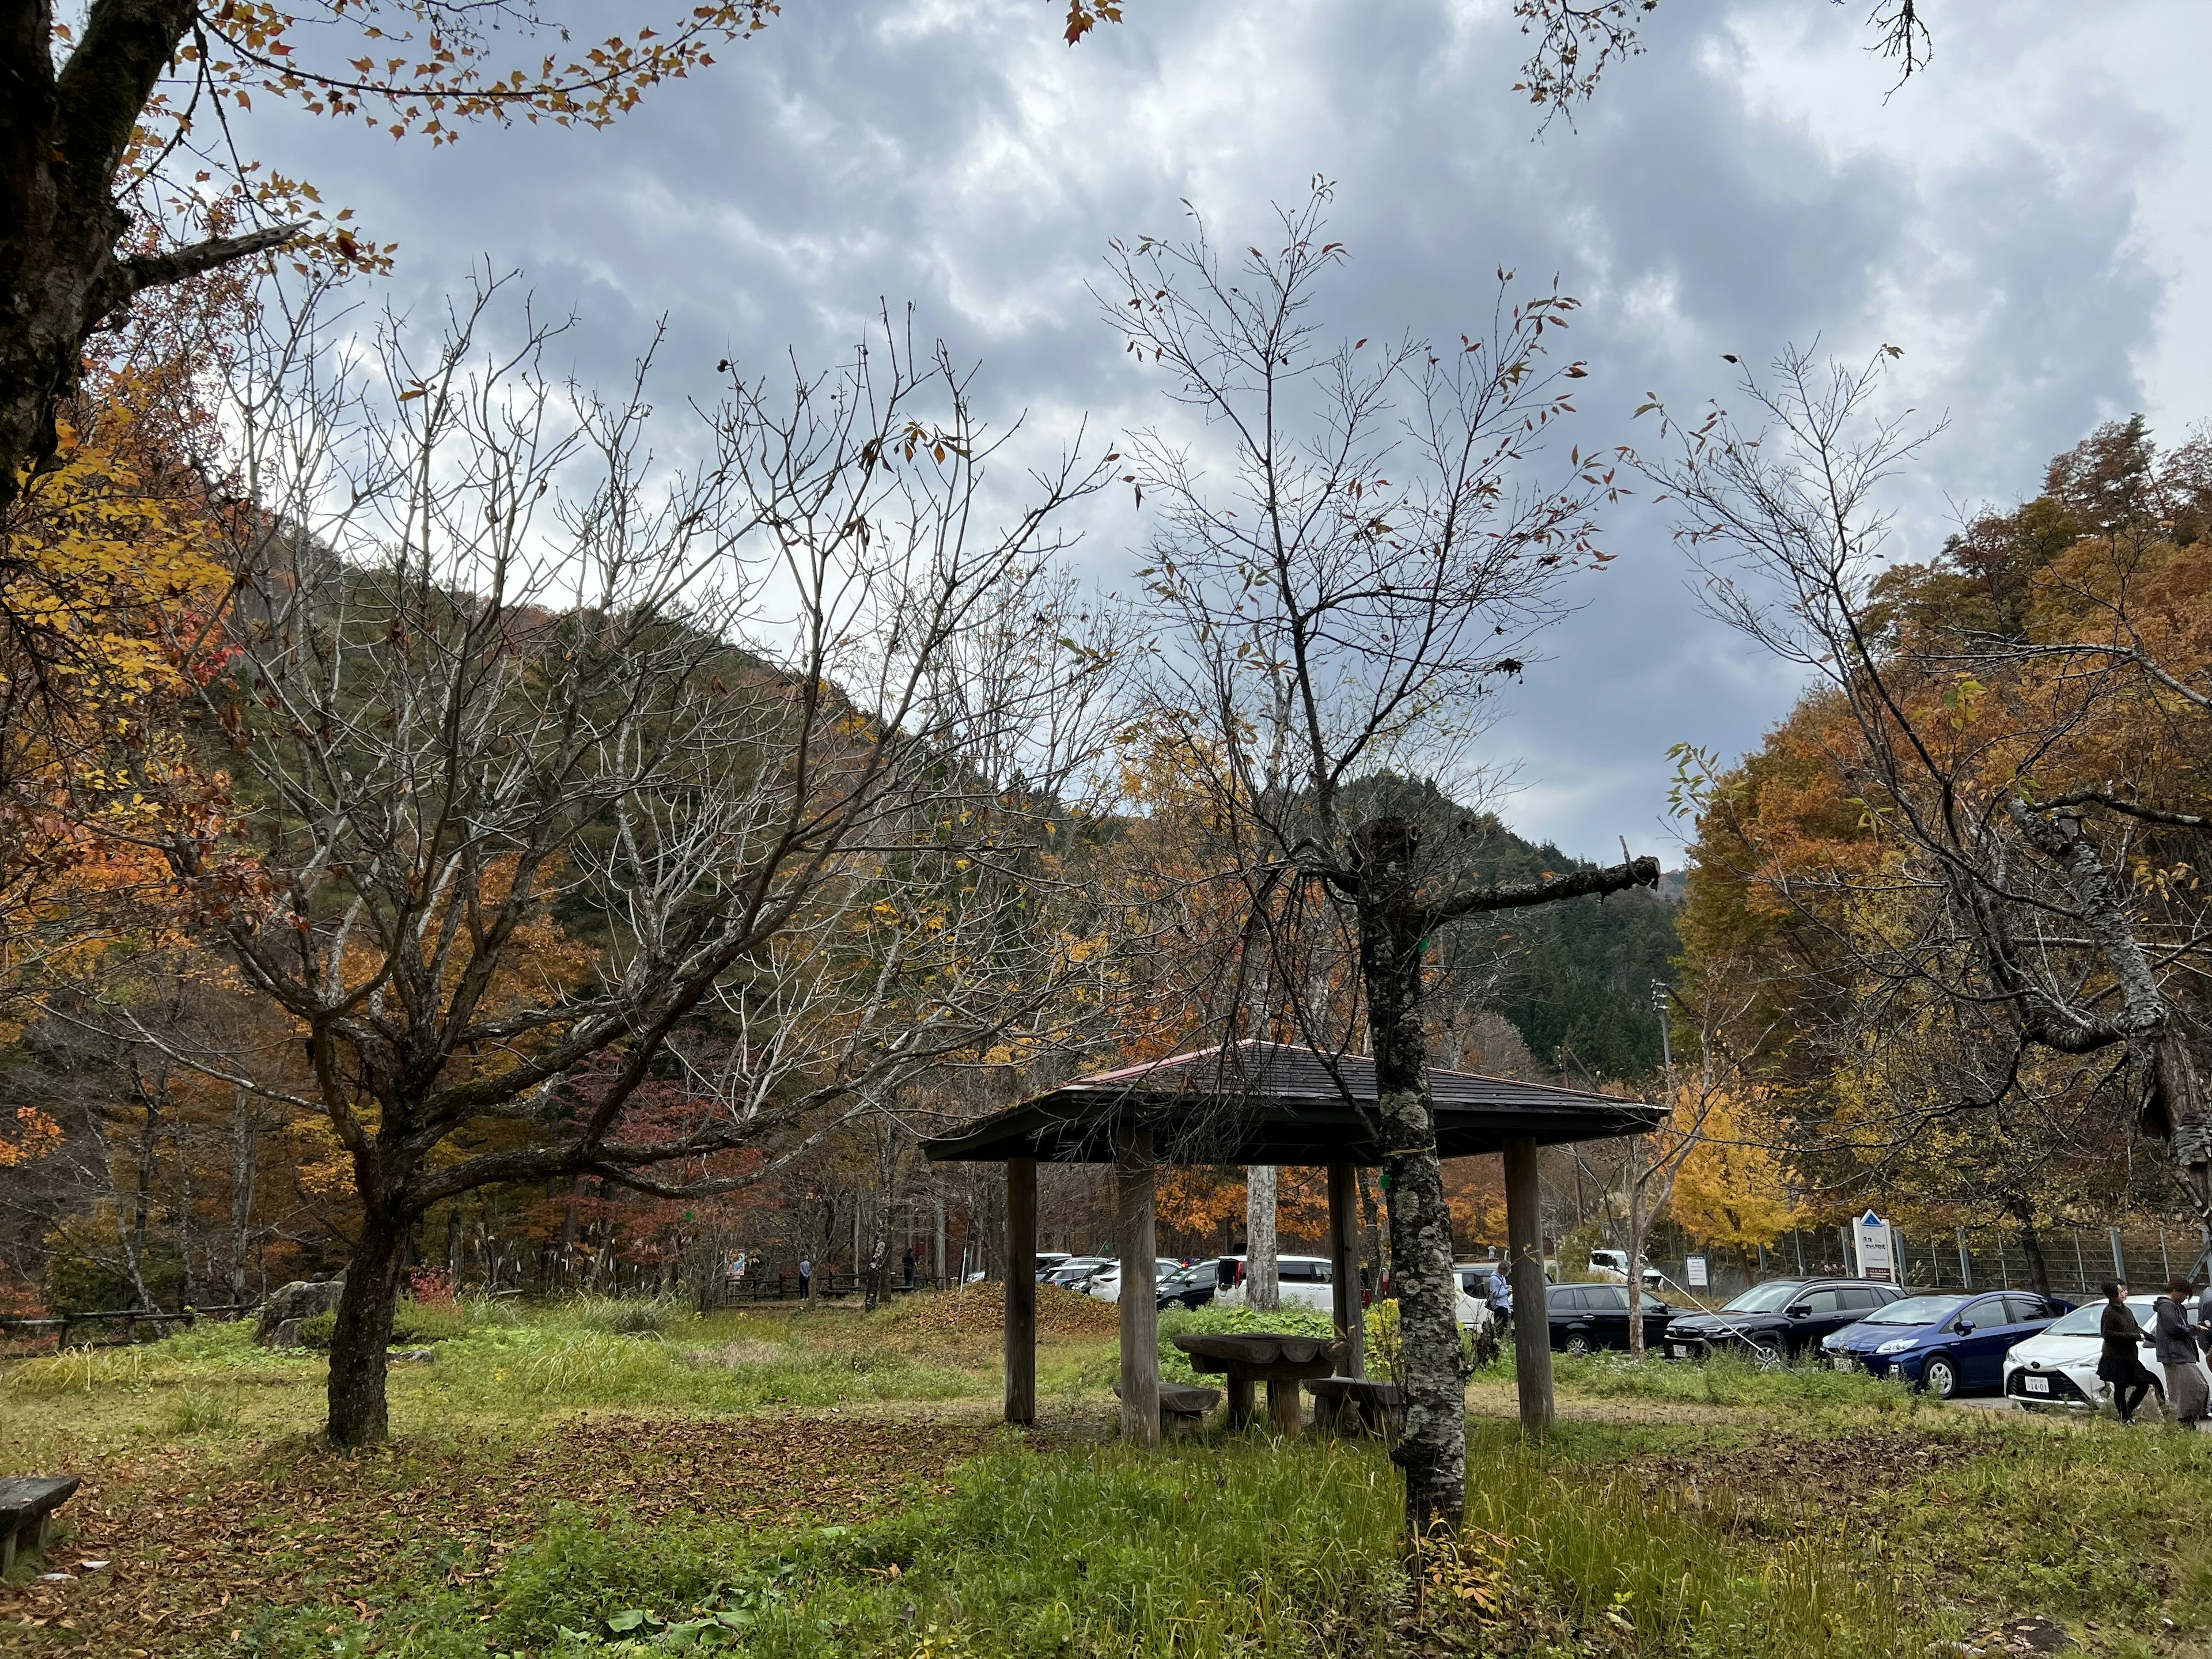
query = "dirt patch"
{"x": 1784, "y": 1482}
{"x": 184, "y": 1541}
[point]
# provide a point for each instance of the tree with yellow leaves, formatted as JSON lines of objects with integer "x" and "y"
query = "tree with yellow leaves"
{"x": 1733, "y": 1189}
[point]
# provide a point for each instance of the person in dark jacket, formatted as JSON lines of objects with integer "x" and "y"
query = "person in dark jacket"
{"x": 2175, "y": 1339}
{"x": 2121, "y": 1364}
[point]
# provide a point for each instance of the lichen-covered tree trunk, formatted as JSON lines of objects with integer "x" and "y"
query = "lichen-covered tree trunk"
{"x": 1433, "y": 1449}
{"x": 358, "y": 1413}
{"x": 1262, "y": 1284}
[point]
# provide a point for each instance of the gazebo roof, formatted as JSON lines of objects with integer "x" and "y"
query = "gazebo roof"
{"x": 1272, "y": 1103}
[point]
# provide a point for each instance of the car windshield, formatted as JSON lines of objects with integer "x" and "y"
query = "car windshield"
{"x": 1917, "y": 1310}
{"x": 2082, "y": 1322}
{"x": 1765, "y": 1298}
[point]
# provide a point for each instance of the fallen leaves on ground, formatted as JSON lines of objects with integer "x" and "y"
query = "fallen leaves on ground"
{"x": 186, "y": 1542}
{"x": 980, "y": 1309}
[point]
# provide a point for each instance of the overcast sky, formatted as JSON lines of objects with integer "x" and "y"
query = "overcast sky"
{"x": 2030, "y": 221}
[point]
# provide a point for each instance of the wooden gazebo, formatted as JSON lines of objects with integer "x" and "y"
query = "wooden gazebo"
{"x": 1265, "y": 1103}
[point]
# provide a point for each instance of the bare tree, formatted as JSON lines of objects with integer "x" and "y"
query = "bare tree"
{"x": 2018, "y": 908}
{"x": 1339, "y": 612}
{"x": 1574, "y": 42}
{"x": 560, "y": 769}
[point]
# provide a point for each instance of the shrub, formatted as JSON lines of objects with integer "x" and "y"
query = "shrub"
{"x": 412, "y": 1325}
{"x": 203, "y": 1411}
{"x": 654, "y": 1316}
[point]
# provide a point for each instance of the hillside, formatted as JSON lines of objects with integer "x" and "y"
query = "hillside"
{"x": 1574, "y": 977}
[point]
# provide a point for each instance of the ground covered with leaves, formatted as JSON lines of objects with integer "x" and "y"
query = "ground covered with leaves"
{"x": 581, "y": 1481}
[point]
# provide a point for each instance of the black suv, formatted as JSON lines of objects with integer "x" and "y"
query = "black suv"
{"x": 1588, "y": 1317}
{"x": 1780, "y": 1319}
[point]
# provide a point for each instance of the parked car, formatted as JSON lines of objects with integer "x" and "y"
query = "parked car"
{"x": 1047, "y": 1260}
{"x": 1105, "y": 1283}
{"x": 1190, "y": 1287}
{"x": 1074, "y": 1273}
{"x": 1585, "y": 1317}
{"x": 2057, "y": 1368}
{"x": 1474, "y": 1277}
{"x": 1613, "y": 1265}
{"x": 1303, "y": 1281}
{"x": 1778, "y": 1320}
{"x": 1947, "y": 1344}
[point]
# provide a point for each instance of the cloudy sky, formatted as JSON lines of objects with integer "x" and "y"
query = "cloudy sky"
{"x": 2030, "y": 221}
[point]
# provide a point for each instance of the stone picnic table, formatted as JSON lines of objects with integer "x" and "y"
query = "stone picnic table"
{"x": 1278, "y": 1358}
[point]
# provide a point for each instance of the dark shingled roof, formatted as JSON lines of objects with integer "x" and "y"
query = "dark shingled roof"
{"x": 1272, "y": 1103}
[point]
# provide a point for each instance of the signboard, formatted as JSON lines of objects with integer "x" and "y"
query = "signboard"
{"x": 1875, "y": 1242}
{"x": 1695, "y": 1270}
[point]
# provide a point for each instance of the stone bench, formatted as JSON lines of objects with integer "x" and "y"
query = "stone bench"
{"x": 27, "y": 1511}
{"x": 1182, "y": 1406}
{"x": 1352, "y": 1405}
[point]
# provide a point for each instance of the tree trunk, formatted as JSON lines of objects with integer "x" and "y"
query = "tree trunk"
{"x": 879, "y": 1246}
{"x": 1433, "y": 1449}
{"x": 245, "y": 1157}
{"x": 1262, "y": 1283}
{"x": 358, "y": 1415}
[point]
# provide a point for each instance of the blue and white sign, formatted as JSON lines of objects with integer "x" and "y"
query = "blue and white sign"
{"x": 1876, "y": 1241}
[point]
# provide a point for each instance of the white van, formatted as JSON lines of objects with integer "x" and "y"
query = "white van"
{"x": 1303, "y": 1281}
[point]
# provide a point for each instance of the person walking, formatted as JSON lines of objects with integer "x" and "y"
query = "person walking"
{"x": 2187, "y": 1396}
{"x": 2121, "y": 1364}
{"x": 805, "y": 1277}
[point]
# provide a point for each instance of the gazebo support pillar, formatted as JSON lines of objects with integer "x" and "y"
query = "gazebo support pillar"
{"x": 1344, "y": 1268}
{"x": 1135, "y": 1178}
{"x": 1532, "y": 1325}
{"x": 1021, "y": 1289}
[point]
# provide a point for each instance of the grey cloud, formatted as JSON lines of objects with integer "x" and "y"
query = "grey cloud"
{"x": 978, "y": 168}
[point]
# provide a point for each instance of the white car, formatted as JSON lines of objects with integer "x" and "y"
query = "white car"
{"x": 1301, "y": 1281}
{"x": 1073, "y": 1273}
{"x": 1613, "y": 1265}
{"x": 1106, "y": 1282}
{"x": 2057, "y": 1367}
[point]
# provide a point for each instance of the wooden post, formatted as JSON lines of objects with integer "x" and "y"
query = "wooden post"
{"x": 1344, "y": 1268}
{"x": 1532, "y": 1325}
{"x": 1021, "y": 1289}
{"x": 1285, "y": 1416}
{"x": 1140, "y": 1311}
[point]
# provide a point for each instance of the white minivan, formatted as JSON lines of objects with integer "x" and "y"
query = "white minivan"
{"x": 1303, "y": 1281}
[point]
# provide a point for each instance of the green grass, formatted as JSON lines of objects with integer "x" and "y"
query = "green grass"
{"x": 1679, "y": 1512}
{"x": 1199, "y": 1549}
{"x": 1728, "y": 1379}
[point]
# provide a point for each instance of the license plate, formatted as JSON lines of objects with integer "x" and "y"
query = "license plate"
{"x": 2036, "y": 1384}
{"x": 1841, "y": 1364}
{"x": 1677, "y": 1351}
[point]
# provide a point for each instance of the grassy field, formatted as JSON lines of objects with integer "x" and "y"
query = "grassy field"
{"x": 590, "y": 1480}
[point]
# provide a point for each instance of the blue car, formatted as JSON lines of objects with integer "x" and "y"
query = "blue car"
{"x": 1946, "y": 1344}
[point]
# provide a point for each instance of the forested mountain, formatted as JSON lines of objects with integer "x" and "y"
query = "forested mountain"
{"x": 1574, "y": 979}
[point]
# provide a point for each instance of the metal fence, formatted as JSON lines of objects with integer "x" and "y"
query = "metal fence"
{"x": 2075, "y": 1260}
{"x": 828, "y": 1284}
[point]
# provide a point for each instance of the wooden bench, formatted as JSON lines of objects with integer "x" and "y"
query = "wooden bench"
{"x": 1352, "y": 1405}
{"x": 1182, "y": 1406}
{"x": 27, "y": 1511}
